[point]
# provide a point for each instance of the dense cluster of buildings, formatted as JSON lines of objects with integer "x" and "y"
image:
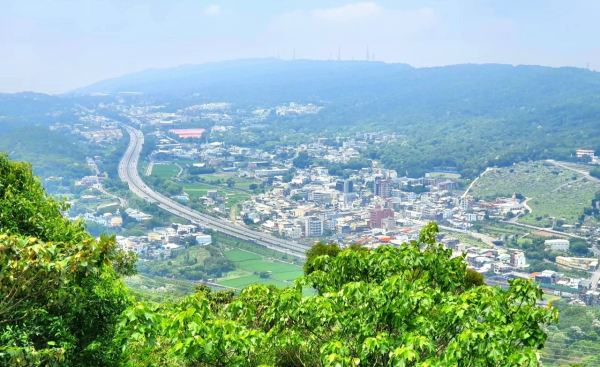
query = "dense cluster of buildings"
{"x": 95, "y": 129}
{"x": 368, "y": 205}
{"x": 370, "y": 202}
{"x": 114, "y": 220}
{"x": 161, "y": 242}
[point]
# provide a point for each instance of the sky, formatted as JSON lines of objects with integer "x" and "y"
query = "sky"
{"x": 53, "y": 46}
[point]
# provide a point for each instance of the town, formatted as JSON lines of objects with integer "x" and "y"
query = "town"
{"x": 322, "y": 190}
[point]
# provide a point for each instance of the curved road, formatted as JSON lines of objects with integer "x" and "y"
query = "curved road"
{"x": 128, "y": 172}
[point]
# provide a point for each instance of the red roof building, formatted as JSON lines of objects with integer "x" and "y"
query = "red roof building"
{"x": 188, "y": 133}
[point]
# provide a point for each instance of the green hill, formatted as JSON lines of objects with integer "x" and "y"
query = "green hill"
{"x": 462, "y": 116}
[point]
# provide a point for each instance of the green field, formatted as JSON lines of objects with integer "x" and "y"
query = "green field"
{"x": 244, "y": 281}
{"x": 554, "y": 191}
{"x": 250, "y": 264}
{"x": 165, "y": 170}
{"x": 242, "y": 183}
{"x": 500, "y": 229}
{"x": 289, "y": 276}
{"x": 238, "y": 255}
{"x": 198, "y": 190}
{"x": 444, "y": 174}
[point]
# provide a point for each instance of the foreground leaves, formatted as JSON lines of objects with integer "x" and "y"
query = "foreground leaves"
{"x": 394, "y": 306}
{"x": 60, "y": 289}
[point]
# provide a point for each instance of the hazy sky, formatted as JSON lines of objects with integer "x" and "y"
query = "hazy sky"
{"x": 53, "y": 46}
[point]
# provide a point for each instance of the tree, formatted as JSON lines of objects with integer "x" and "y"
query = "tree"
{"x": 579, "y": 247}
{"x": 473, "y": 279}
{"x": 392, "y": 306}
{"x": 317, "y": 250}
{"x": 60, "y": 289}
{"x": 302, "y": 160}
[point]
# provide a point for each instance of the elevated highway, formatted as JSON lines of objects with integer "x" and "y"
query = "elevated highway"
{"x": 128, "y": 172}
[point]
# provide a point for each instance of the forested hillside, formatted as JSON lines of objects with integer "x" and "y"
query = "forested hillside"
{"x": 54, "y": 154}
{"x": 463, "y": 116}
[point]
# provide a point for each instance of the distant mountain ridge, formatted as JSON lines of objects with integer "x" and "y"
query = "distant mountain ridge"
{"x": 465, "y": 116}
{"x": 399, "y": 88}
{"x": 256, "y": 73}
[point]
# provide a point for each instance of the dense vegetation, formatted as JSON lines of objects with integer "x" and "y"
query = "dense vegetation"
{"x": 575, "y": 341}
{"x": 412, "y": 308}
{"x": 54, "y": 154}
{"x": 63, "y": 303}
{"x": 465, "y": 117}
{"x": 60, "y": 290}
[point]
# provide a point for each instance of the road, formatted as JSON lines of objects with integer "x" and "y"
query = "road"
{"x": 122, "y": 202}
{"x": 475, "y": 180}
{"x": 586, "y": 174}
{"x": 100, "y": 188}
{"x": 128, "y": 172}
{"x": 527, "y": 206}
{"x": 550, "y": 230}
{"x": 488, "y": 240}
{"x": 595, "y": 278}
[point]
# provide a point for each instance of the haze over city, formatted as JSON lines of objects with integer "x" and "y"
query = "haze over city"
{"x": 284, "y": 183}
{"x": 56, "y": 46}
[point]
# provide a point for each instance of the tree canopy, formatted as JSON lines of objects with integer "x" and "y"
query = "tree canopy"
{"x": 62, "y": 303}
{"x": 393, "y": 306}
{"x": 60, "y": 289}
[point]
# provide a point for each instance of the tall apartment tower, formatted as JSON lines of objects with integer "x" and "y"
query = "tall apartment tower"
{"x": 383, "y": 188}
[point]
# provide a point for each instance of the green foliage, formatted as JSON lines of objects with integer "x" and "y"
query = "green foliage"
{"x": 194, "y": 263}
{"x": 400, "y": 306}
{"x": 302, "y": 160}
{"x": 574, "y": 339}
{"x": 201, "y": 170}
{"x": 54, "y": 154}
{"x": 60, "y": 289}
{"x": 473, "y": 279}
{"x": 579, "y": 247}
{"x": 320, "y": 249}
{"x": 26, "y": 209}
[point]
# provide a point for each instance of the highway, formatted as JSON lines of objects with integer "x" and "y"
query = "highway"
{"x": 128, "y": 173}
{"x": 549, "y": 230}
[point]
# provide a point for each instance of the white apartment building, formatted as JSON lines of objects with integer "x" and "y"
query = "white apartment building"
{"x": 313, "y": 226}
